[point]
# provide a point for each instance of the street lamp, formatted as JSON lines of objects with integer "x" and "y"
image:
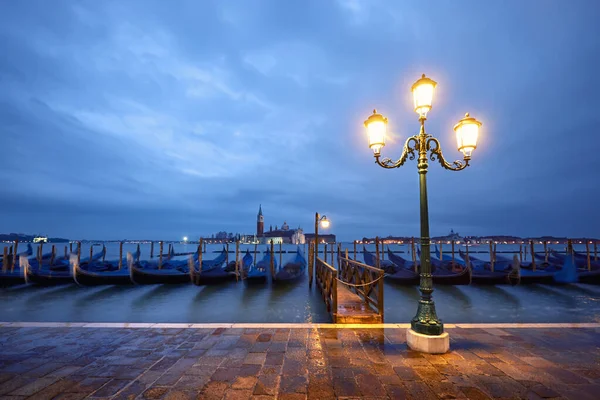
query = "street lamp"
{"x": 325, "y": 224}
{"x": 427, "y": 331}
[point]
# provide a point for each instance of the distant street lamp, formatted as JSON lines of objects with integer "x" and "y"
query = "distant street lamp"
{"x": 185, "y": 238}
{"x": 432, "y": 338}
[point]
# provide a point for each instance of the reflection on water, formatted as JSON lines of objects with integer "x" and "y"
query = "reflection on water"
{"x": 237, "y": 302}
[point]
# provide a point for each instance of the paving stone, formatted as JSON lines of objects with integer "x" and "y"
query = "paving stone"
{"x": 155, "y": 392}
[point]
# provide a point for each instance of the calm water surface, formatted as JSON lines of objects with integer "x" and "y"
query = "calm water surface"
{"x": 236, "y": 302}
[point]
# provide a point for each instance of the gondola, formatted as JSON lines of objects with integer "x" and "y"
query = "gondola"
{"x": 165, "y": 271}
{"x": 257, "y": 273}
{"x": 104, "y": 273}
{"x": 482, "y": 274}
{"x": 530, "y": 276}
{"x": 444, "y": 273}
{"x": 583, "y": 274}
{"x": 247, "y": 261}
{"x": 14, "y": 274}
{"x": 211, "y": 271}
{"x": 42, "y": 274}
{"x": 396, "y": 269}
{"x": 440, "y": 274}
{"x": 293, "y": 270}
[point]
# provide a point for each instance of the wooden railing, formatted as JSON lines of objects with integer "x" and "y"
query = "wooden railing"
{"x": 326, "y": 278}
{"x": 364, "y": 280}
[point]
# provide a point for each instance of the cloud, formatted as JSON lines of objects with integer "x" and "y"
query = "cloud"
{"x": 126, "y": 119}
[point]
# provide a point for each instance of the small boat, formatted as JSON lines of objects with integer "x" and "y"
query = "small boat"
{"x": 258, "y": 273}
{"x": 104, "y": 273}
{"x": 440, "y": 273}
{"x": 14, "y": 275}
{"x": 292, "y": 270}
{"x": 578, "y": 263}
{"x": 388, "y": 266}
{"x": 165, "y": 271}
{"x": 444, "y": 273}
{"x": 211, "y": 271}
{"x": 398, "y": 270}
{"x": 482, "y": 274}
{"x": 529, "y": 276}
{"x": 45, "y": 274}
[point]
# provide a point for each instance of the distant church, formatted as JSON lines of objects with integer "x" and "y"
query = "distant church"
{"x": 283, "y": 235}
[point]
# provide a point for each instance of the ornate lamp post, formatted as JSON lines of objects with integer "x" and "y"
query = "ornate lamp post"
{"x": 427, "y": 331}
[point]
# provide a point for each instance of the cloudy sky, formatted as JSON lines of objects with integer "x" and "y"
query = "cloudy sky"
{"x": 158, "y": 119}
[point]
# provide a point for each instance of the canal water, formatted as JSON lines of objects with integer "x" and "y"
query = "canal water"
{"x": 237, "y": 302}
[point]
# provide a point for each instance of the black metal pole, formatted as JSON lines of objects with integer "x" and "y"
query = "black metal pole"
{"x": 426, "y": 321}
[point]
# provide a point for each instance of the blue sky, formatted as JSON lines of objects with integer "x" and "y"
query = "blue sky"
{"x": 158, "y": 119}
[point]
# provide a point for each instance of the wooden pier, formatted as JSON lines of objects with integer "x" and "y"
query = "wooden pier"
{"x": 353, "y": 294}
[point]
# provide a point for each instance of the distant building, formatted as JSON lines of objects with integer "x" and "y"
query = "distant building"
{"x": 260, "y": 222}
{"x": 40, "y": 239}
{"x": 323, "y": 238}
{"x": 284, "y": 235}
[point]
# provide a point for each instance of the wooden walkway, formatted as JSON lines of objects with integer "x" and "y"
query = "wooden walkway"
{"x": 353, "y": 294}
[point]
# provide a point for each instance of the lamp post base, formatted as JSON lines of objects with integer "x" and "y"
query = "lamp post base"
{"x": 436, "y": 344}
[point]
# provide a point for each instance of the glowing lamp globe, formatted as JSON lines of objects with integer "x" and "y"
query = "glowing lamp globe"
{"x": 185, "y": 238}
{"x": 376, "y": 126}
{"x": 467, "y": 131}
{"x": 324, "y": 222}
{"x": 422, "y": 91}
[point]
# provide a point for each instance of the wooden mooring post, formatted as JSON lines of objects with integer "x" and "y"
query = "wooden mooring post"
{"x": 354, "y": 250}
{"x": 452, "y": 251}
{"x": 160, "y": 255}
{"x": 227, "y": 253}
{"x": 532, "y": 254}
{"x": 521, "y": 252}
{"x": 70, "y": 247}
{"x": 199, "y": 260}
{"x": 15, "y": 253}
{"x": 78, "y": 253}
{"x": 237, "y": 260}
{"x": 331, "y": 252}
{"x": 524, "y": 251}
{"x": 255, "y": 248}
{"x": 272, "y": 260}
{"x": 545, "y": 251}
{"x": 324, "y": 253}
{"x": 311, "y": 264}
{"x": 151, "y": 249}
{"x": 280, "y": 256}
{"x": 91, "y": 254}
{"x": 103, "y": 252}
{"x": 120, "y": 255}
{"x": 377, "y": 263}
{"x": 587, "y": 250}
{"x": 53, "y": 255}
{"x": 5, "y": 259}
{"x": 491, "y": 256}
{"x": 66, "y": 253}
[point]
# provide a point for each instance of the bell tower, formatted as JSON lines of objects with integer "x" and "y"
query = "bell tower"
{"x": 260, "y": 222}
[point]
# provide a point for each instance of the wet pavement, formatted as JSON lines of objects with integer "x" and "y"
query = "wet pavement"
{"x": 296, "y": 363}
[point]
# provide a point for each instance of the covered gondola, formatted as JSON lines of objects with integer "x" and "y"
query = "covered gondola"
{"x": 104, "y": 273}
{"x": 292, "y": 270}
{"x": 211, "y": 271}
{"x": 53, "y": 274}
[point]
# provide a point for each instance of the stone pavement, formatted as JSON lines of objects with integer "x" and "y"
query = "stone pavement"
{"x": 295, "y": 363}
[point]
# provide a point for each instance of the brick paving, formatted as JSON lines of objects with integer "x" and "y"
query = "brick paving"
{"x": 296, "y": 363}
